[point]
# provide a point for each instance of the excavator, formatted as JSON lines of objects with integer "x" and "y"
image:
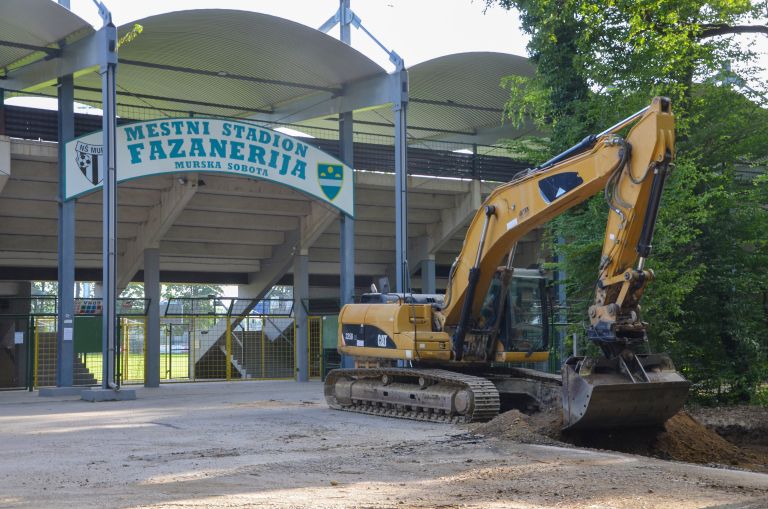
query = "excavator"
{"x": 456, "y": 357}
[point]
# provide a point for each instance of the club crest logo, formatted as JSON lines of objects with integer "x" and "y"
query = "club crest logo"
{"x": 331, "y": 178}
{"x": 90, "y": 161}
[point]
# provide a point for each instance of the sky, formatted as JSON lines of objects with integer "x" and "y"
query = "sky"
{"x": 417, "y": 30}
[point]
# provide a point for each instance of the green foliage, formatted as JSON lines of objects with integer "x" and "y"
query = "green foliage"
{"x": 133, "y": 33}
{"x": 178, "y": 290}
{"x": 598, "y": 62}
{"x": 173, "y": 290}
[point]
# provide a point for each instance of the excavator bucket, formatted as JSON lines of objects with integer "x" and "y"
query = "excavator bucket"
{"x": 639, "y": 390}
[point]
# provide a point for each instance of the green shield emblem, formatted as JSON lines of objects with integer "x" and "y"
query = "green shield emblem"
{"x": 331, "y": 178}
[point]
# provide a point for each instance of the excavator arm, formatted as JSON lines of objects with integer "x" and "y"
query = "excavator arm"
{"x": 629, "y": 171}
{"x": 625, "y": 387}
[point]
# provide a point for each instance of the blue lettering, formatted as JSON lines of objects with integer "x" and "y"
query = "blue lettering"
{"x": 286, "y": 162}
{"x": 152, "y": 131}
{"x": 135, "y": 151}
{"x": 226, "y": 129}
{"x": 287, "y": 144}
{"x": 301, "y": 149}
{"x": 219, "y": 147}
{"x": 256, "y": 154}
{"x": 165, "y": 129}
{"x": 193, "y": 127}
{"x": 156, "y": 150}
{"x": 196, "y": 148}
{"x": 235, "y": 148}
{"x": 273, "y": 158}
{"x": 298, "y": 169}
{"x": 176, "y": 150}
{"x": 264, "y": 137}
{"x": 134, "y": 133}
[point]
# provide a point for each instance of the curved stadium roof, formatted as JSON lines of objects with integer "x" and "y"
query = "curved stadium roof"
{"x": 245, "y": 64}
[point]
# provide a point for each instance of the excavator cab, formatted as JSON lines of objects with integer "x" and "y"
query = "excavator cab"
{"x": 514, "y": 320}
{"x": 526, "y": 323}
{"x": 516, "y": 313}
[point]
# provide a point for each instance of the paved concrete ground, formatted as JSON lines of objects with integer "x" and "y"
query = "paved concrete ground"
{"x": 275, "y": 444}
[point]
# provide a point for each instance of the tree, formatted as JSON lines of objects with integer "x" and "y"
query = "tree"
{"x": 173, "y": 290}
{"x": 598, "y": 62}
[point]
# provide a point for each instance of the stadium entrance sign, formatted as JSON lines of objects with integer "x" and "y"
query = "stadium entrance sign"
{"x": 213, "y": 146}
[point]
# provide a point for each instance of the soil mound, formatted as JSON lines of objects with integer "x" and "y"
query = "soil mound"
{"x": 516, "y": 426}
{"x": 686, "y": 439}
{"x": 682, "y": 438}
{"x": 746, "y": 426}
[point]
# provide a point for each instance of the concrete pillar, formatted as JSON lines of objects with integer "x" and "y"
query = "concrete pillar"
{"x": 152, "y": 292}
{"x": 428, "y": 275}
{"x": 300, "y": 297}
{"x": 2, "y": 112}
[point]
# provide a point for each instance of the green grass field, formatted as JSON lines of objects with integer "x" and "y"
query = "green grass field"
{"x": 174, "y": 366}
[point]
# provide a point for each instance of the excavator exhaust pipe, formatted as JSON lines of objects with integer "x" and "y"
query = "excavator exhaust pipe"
{"x": 631, "y": 390}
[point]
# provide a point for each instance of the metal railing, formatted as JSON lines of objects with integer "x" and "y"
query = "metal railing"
{"x": 371, "y": 152}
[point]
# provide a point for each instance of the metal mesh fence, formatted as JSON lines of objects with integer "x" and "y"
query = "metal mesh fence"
{"x": 207, "y": 347}
{"x": 200, "y": 339}
{"x": 315, "y": 344}
{"x": 372, "y": 152}
{"x": 263, "y": 347}
{"x": 45, "y": 351}
{"x": 133, "y": 354}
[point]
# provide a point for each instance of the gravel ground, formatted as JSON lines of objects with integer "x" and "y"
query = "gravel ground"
{"x": 275, "y": 444}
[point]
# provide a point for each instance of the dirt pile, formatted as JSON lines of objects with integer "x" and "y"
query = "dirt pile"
{"x": 746, "y": 426}
{"x": 682, "y": 438}
{"x": 518, "y": 427}
{"x": 686, "y": 439}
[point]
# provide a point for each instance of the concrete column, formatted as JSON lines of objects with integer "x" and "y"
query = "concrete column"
{"x": 300, "y": 296}
{"x": 152, "y": 292}
{"x": 2, "y": 112}
{"x": 428, "y": 275}
{"x": 66, "y": 255}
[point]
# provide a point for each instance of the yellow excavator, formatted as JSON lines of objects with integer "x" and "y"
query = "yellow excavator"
{"x": 451, "y": 357}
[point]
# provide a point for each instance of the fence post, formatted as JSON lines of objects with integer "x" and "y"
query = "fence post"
{"x": 261, "y": 336}
{"x": 144, "y": 337}
{"x": 192, "y": 351}
{"x": 37, "y": 350}
{"x": 229, "y": 349}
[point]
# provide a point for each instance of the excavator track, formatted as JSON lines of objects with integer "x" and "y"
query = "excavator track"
{"x": 433, "y": 395}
